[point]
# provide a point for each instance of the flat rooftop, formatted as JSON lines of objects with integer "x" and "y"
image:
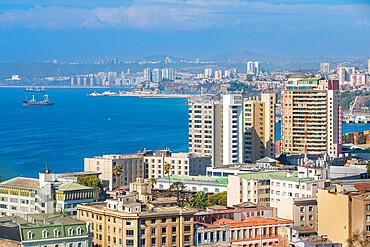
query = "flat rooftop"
{"x": 197, "y": 179}
{"x": 20, "y": 182}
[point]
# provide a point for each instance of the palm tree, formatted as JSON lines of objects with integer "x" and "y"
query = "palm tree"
{"x": 153, "y": 181}
{"x": 117, "y": 171}
{"x": 199, "y": 200}
{"x": 167, "y": 170}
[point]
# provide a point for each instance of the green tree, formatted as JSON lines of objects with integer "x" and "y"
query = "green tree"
{"x": 167, "y": 170}
{"x": 361, "y": 139}
{"x": 117, "y": 171}
{"x": 178, "y": 188}
{"x": 217, "y": 199}
{"x": 355, "y": 240}
{"x": 92, "y": 181}
{"x": 199, "y": 200}
{"x": 153, "y": 182}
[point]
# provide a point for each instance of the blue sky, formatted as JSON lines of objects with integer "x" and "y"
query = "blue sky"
{"x": 86, "y": 30}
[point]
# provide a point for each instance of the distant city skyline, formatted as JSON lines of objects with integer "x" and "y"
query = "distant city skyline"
{"x": 89, "y": 30}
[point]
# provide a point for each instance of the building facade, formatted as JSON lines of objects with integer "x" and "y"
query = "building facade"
{"x": 182, "y": 164}
{"x": 133, "y": 166}
{"x": 312, "y": 116}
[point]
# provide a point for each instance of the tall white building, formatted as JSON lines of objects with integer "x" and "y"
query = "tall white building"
{"x": 208, "y": 72}
{"x": 233, "y": 141}
{"x": 325, "y": 68}
{"x": 257, "y": 67}
{"x": 250, "y": 67}
{"x": 147, "y": 74}
{"x": 156, "y": 75}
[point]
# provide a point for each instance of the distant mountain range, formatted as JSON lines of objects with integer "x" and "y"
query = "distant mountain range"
{"x": 243, "y": 56}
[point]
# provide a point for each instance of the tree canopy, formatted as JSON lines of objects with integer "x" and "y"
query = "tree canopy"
{"x": 217, "y": 199}
{"x": 93, "y": 182}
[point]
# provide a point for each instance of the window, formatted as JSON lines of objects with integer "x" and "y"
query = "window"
{"x": 217, "y": 190}
{"x": 129, "y": 242}
{"x": 164, "y": 220}
{"x": 153, "y": 232}
{"x": 173, "y": 219}
{"x": 153, "y": 221}
{"x": 164, "y": 241}
{"x": 29, "y": 235}
{"x": 56, "y": 233}
{"x": 367, "y": 217}
{"x": 143, "y": 242}
{"x": 301, "y": 209}
{"x": 70, "y": 232}
{"x": 368, "y": 207}
{"x": 163, "y": 231}
{"x": 142, "y": 232}
{"x": 187, "y": 218}
{"x": 205, "y": 189}
{"x": 79, "y": 231}
{"x": 44, "y": 234}
{"x": 129, "y": 233}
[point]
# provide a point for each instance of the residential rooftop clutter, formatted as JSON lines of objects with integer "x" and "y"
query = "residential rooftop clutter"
{"x": 194, "y": 183}
{"x": 22, "y": 196}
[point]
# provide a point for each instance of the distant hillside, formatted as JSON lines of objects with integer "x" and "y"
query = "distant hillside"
{"x": 243, "y": 56}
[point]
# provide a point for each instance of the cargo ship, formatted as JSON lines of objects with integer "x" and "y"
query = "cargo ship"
{"x": 34, "y": 102}
{"x": 35, "y": 90}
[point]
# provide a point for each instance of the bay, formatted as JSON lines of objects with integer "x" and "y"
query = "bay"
{"x": 78, "y": 126}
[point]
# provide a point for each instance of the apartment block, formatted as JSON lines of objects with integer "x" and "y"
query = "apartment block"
{"x": 268, "y": 188}
{"x": 133, "y": 167}
{"x": 303, "y": 211}
{"x": 233, "y": 140}
{"x": 351, "y": 214}
{"x": 205, "y": 130}
{"x": 312, "y": 116}
{"x": 23, "y": 196}
{"x": 259, "y": 127}
{"x": 126, "y": 221}
{"x": 182, "y": 164}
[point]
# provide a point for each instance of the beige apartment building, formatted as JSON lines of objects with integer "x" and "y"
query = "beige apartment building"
{"x": 134, "y": 220}
{"x": 259, "y": 127}
{"x": 133, "y": 167}
{"x": 205, "y": 130}
{"x": 183, "y": 164}
{"x": 340, "y": 215}
{"x": 316, "y": 101}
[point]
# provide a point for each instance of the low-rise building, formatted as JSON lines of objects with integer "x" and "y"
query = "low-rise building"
{"x": 303, "y": 211}
{"x": 182, "y": 164}
{"x": 133, "y": 167}
{"x": 22, "y": 196}
{"x": 45, "y": 230}
{"x": 211, "y": 216}
{"x": 210, "y": 235}
{"x": 194, "y": 183}
{"x": 254, "y": 231}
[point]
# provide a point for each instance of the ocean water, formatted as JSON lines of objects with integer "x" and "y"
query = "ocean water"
{"x": 78, "y": 126}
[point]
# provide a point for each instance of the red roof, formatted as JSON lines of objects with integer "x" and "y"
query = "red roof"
{"x": 363, "y": 186}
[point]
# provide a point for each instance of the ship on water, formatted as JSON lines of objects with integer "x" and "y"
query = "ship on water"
{"x": 33, "y": 102}
{"x": 35, "y": 90}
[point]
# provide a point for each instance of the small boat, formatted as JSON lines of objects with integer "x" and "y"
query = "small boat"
{"x": 34, "y": 102}
{"x": 35, "y": 90}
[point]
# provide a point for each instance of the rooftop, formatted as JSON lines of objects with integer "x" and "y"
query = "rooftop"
{"x": 280, "y": 175}
{"x": 197, "y": 179}
{"x": 71, "y": 186}
{"x": 253, "y": 221}
{"x": 21, "y": 182}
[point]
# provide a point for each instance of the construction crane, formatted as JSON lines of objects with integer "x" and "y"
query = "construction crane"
{"x": 351, "y": 115}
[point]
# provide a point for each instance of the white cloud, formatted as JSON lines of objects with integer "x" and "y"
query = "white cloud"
{"x": 182, "y": 15}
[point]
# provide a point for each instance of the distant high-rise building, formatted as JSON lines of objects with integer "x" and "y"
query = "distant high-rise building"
{"x": 312, "y": 116}
{"x": 147, "y": 75}
{"x": 256, "y": 68}
{"x": 156, "y": 75}
{"x": 208, "y": 72}
{"x": 368, "y": 66}
{"x": 168, "y": 60}
{"x": 358, "y": 79}
{"x": 232, "y": 73}
{"x": 344, "y": 73}
{"x": 250, "y": 67}
{"x": 227, "y": 74}
{"x": 325, "y": 68}
{"x": 72, "y": 81}
{"x": 218, "y": 74}
{"x": 168, "y": 74}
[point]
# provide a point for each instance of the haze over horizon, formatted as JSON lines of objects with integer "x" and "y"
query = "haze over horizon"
{"x": 89, "y": 30}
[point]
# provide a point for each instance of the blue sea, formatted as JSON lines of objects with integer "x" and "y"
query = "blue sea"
{"x": 78, "y": 126}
